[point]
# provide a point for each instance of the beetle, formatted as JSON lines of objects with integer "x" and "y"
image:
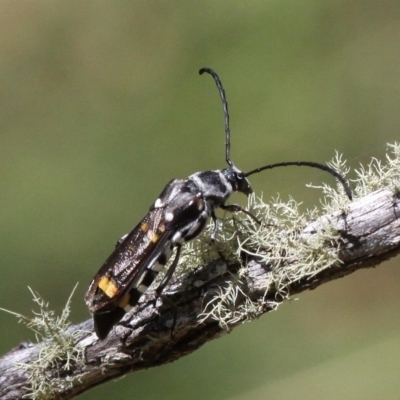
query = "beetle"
{"x": 178, "y": 215}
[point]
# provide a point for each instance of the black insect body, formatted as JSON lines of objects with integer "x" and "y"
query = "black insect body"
{"x": 179, "y": 214}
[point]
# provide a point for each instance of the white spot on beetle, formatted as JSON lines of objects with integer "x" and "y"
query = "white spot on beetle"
{"x": 169, "y": 216}
{"x": 122, "y": 238}
{"x": 158, "y": 203}
{"x": 156, "y": 267}
{"x": 141, "y": 288}
{"x": 177, "y": 238}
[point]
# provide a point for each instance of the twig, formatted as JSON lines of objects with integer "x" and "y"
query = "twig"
{"x": 367, "y": 233}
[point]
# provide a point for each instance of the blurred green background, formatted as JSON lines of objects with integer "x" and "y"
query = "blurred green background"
{"x": 101, "y": 105}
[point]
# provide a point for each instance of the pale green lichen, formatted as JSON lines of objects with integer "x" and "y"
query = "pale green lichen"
{"x": 57, "y": 348}
{"x": 378, "y": 175}
{"x": 279, "y": 243}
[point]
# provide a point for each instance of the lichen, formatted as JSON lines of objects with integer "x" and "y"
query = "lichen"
{"x": 279, "y": 243}
{"x": 57, "y": 351}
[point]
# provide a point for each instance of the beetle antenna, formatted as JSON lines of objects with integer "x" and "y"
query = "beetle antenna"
{"x": 270, "y": 166}
{"x": 336, "y": 174}
{"x": 226, "y": 113}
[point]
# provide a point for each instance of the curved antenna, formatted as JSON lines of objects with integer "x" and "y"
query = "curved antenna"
{"x": 306, "y": 164}
{"x": 226, "y": 113}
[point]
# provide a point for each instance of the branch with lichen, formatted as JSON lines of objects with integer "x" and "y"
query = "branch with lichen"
{"x": 249, "y": 270}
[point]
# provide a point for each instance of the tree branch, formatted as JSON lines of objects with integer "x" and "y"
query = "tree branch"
{"x": 367, "y": 233}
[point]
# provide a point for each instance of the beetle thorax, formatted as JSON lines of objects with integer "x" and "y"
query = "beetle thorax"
{"x": 214, "y": 186}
